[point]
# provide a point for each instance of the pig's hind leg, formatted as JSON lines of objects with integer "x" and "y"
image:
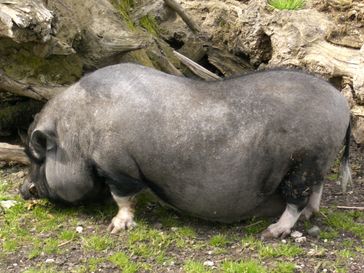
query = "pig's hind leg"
{"x": 301, "y": 188}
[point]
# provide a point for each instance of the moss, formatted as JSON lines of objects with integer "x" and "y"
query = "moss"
{"x": 191, "y": 266}
{"x": 139, "y": 56}
{"x": 251, "y": 266}
{"x": 123, "y": 262}
{"x": 149, "y": 23}
{"x": 287, "y": 4}
{"x": 124, "y": 7}
{"x": 19, "y": 62}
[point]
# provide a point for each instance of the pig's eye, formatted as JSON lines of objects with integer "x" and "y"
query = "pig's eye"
{"x": 33, "y": 190}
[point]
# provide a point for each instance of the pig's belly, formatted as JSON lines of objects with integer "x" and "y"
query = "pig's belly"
{"x": 221, "y": 206}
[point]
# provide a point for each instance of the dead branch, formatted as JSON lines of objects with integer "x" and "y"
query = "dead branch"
{"x": 14, "y": 153}
{"x": 179, "y": 10}
{"x": 35, "y": 92}
{"x": 196, "y": 68}
{"x": 350, "y": 208}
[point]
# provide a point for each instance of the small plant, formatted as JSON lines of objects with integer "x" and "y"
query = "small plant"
{"x": 150, "y": 24}
{"x": 124, "y": 7}
{"x": 97, "y": 243}
{"x": 191, "y": 266}
{"x": 122, "y": 261}
{"x": 243, "y": 267}
{"x": 219, "y": 240}
{"x": 281, "y": 250}
{"x": 287, "y": 4}
{"x": 284, "y": 267}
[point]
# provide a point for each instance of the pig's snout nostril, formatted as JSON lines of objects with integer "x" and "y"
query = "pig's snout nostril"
{"x": 25, "y": 190}
{"x": 24, "y": 193}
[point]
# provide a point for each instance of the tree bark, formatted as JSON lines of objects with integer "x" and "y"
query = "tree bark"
{"x": 46, "y": 46}
{"x": 13, "y": 153}
{"x": 309, "y": 39}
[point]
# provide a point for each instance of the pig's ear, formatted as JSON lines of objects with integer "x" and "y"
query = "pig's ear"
{"x": 42, "y": 141}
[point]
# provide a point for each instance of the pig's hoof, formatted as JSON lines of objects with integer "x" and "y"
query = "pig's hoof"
{"x": 118, "y": 224}
{"x": 275, "y": 231}
{"x": 306, "y": 214}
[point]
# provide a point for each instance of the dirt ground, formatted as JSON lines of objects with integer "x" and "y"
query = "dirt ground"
{"x": 39, "y": 237}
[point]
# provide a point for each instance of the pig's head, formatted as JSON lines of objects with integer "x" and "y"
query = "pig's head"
{"x": 59, "y": 170}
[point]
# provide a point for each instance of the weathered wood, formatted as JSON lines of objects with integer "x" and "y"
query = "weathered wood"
{"x": 275, "y": 38}
{"x": 28, "y": 90}
{"x": 196, "y": 68}
{"x": 13, "y": 153}
{"x": 18, "y": 19}
{"x": 350, "y": 208}
{"x": 186, "y": 18}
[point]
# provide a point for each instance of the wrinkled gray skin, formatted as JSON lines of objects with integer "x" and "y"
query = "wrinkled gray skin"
{"x": 217, "y": 150}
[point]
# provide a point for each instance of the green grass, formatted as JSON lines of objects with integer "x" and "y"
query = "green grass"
{"x": 9, "y": 246}
{"x": 329, "y": 234}
{"x": 287, "y": 4}
{"x": 42, "y": 269}
{"x": 149, "y": 23}
{"x": 251, "y": 266}
{"x": 162, "y": 239}
{"x": 122, "y": 261}
{"x": 219, "y": 240}
{"x": 284, "y": 267}
{"x": 349, "y": 221}
{"x": 279, "y": 250}
{"x": 124, "y": 7}
{"x": 98, "y": 242}
{"x": 256, "y": 226}
{"x": 332, "y": 177}
{"x": 192, "y": 266}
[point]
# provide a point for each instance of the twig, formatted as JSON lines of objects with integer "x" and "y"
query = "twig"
{"x": 196, "y": 68}
{"x": 350, "y": 208}
{"x": 317, "y": 267}
{"x": 177, "y": 8}
{"x": 253, "y": 224}
{"x": 65, "y": 243}
{"x": 323, "y": 215}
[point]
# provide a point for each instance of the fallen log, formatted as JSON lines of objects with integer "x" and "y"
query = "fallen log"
{"x": 13, "y": 153}
{"x": 33, "y": 91}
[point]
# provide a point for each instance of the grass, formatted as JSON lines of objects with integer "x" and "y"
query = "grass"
{"x": 97, "y": 242}
{"x": 219, "y": 240}
{"x": 124, "y": 7}
{"x": 149, "y": 23}
{"x": 250, "y": 266}
{"x": 163, "y": 240}
{"x": 191, "y": 266}
{"x": 122, "y": 261}
{"x": 287, "y": 4}
{"x": 350, "y": 222}
{"x": 284, "y": 267}
{"x": 279, "y": 250}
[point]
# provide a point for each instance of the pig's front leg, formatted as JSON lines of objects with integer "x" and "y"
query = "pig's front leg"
{"x": 123, "y": 189}
{"x": 124, "y": 219}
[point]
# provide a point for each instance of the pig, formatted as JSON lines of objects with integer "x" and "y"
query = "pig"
{"x": 255, "y": 145}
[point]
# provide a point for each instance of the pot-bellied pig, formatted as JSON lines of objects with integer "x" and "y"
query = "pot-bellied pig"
{"x": 223, "y": 150}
